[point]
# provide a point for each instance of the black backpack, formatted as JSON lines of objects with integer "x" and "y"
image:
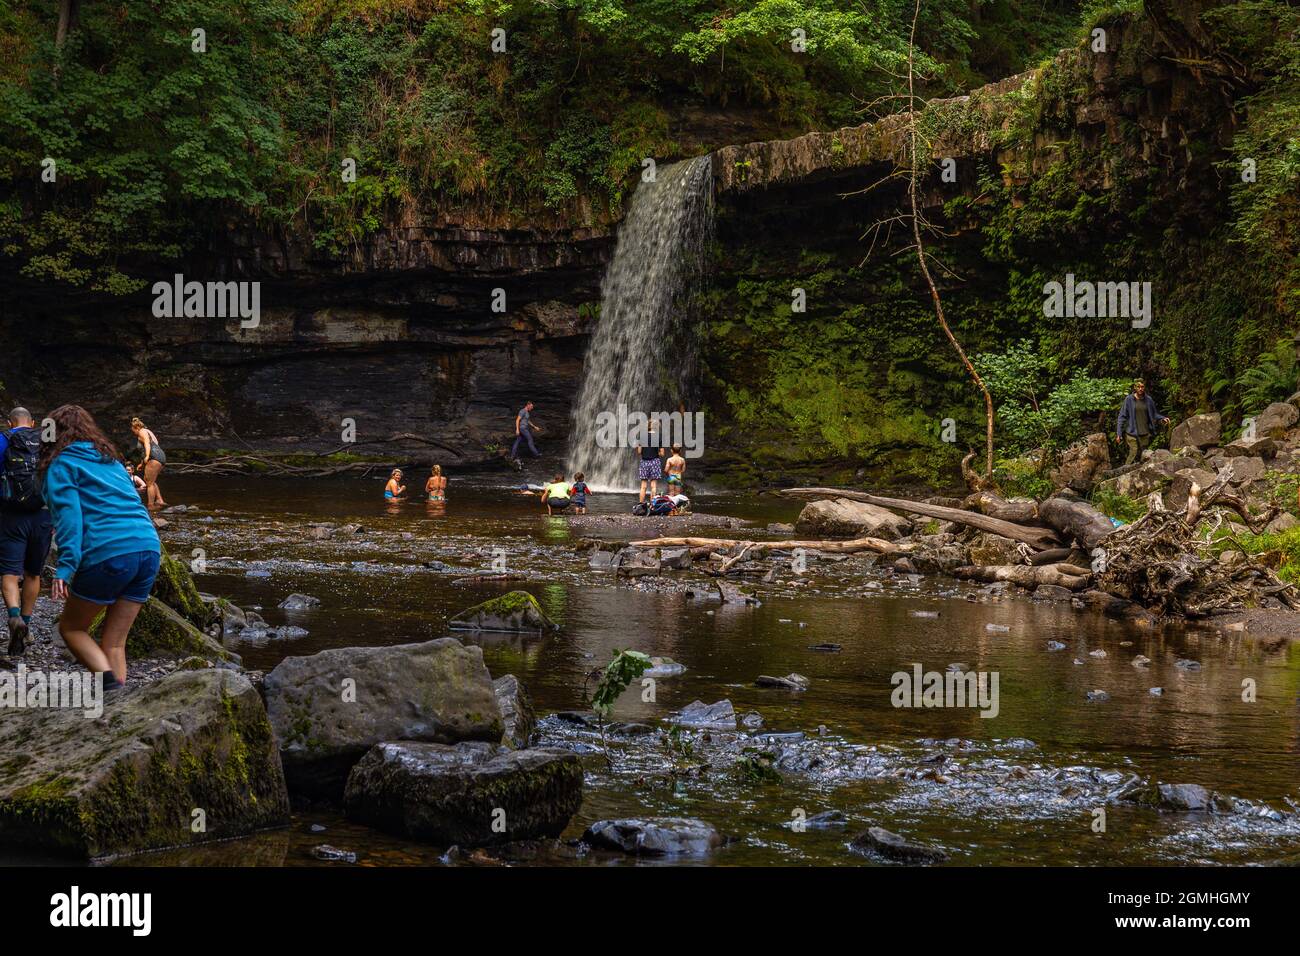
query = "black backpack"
{"x": 18, "y": 488}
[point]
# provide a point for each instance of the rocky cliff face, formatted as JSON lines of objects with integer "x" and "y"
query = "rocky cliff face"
{"x": 409, "y": 334}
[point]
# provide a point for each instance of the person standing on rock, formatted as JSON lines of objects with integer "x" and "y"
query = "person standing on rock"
{"x": 25, "y": 526}
{"x": 524, "y": 429}
{"x": 109, "y": 551}
{"x": 1138, "y": 421}
{"x": 152, "y": 460}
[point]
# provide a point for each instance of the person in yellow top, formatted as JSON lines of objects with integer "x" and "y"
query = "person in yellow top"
{"x": 556, "y": 495}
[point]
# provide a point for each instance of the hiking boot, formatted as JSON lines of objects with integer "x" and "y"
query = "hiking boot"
{"x": 17, "y": 636}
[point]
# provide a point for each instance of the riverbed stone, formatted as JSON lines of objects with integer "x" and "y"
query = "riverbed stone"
{"x": 516, "y": 611}
{"x": 437, "y": 692}
{"x": 131, "y": 779}
{"x": 699, "y": 715}
{"x": 517, "y": 716}
{"x": 842, "y": 518}
{"x": 654, "y": 836}
{"x": 1179, "y": 798}
{"x": 1199, "y": 431}
{"x": 878, "y": 841}
{"x": 466, "y": 794}
{"x": 299, "y": 602}
{"x": 675, "y": 559}
{"x": 795, "y": 682}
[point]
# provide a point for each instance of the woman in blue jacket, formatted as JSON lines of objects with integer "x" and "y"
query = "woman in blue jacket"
{"x": 108, "y": 548}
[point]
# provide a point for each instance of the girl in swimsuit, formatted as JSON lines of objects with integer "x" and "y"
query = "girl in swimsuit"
{"x": 436, "y": 486}
{"x": 151, "y": 463}
{"x": 394, "y": 490}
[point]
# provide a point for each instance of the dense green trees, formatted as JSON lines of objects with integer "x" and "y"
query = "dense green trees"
{"x": 156, "y": 131}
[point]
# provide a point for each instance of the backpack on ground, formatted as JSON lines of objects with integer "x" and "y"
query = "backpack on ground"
{"x": 640, "y": 509}
{"x": 18, "y": 488}
{"x": 660, "y": 506}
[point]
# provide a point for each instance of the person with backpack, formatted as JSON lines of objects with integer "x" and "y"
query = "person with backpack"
{"x": 109, "y": 551}
{"x": 25, "y": 525}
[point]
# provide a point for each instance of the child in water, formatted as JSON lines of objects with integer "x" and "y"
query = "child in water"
{"x": 578, "y": 494}
{"x": 394, "y": 490}
{"x": 436, "y": 486}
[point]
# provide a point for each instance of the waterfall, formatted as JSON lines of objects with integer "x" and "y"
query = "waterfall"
{"x": 642, "y": 355}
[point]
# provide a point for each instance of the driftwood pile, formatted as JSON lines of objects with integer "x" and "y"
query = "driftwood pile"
{"x": 1158, "y": 565}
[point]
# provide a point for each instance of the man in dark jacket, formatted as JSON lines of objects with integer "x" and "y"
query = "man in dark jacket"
{"x": 1138, "y": 421}
{"x": 25, "y": 526}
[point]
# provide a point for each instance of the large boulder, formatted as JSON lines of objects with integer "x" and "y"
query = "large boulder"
{"x": 470, "y": 794}
{"x": 1274, "y": 421}
{"x": 1250, "y": 448}
{"x": 160, "y": 631}
{"x": 1245, "y": 470}
{"x": 1141, "y": 481}
{"x": 135, "y": 778}
{"x": 654, "y": 836}
{"x": 516, "y": 611}
{"x": 330, "y": 708}
{"x": 841, "y": 518}
{"x": 1082, "y": 464}
{"x": 1199, "y": 431}
{"x": 517, "y": 714}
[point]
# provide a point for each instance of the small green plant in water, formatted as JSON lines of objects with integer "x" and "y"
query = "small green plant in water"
{"x": 626, "y": 667}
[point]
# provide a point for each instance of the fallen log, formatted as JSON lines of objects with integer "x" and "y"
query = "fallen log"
{"x": 1076, "y": 520}
{"x": 995, "y": 506}
{"x": 1038, "y": 538}
{"x": 851, "y": 546}
{"x": 1060, "y": 575}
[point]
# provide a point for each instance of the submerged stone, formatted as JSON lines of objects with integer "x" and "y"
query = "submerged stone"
{"x": 880, "y": 842}
{"x": 654, "y": 836}
{"x": 717, "y": 716}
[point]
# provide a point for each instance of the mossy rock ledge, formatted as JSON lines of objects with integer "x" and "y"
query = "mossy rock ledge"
{"x": 330, "y": 708}
{"x": 517, "y": 611}
{"x": 132, "y": 779}
{"x": 160, "y": 631}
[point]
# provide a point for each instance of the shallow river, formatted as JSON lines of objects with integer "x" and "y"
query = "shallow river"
{"x": 1018, "y": 788}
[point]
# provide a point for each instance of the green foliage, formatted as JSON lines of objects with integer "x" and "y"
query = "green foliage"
{"x": 1038, "y": 405}
{"x": 1274, "y": 377}
{"x": 1022, "y": 477}
{"x": 1114, "y": 505}
{"x": 158, "y": 146}
{"x": 1281, "y": 549}
{"x": 626, "y": 667}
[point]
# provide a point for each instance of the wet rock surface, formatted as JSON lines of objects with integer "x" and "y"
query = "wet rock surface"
{"x": 469, "y": 794}
{"x": 654, "y": 836}
{"x": 130, "y": 779}
{"x": 438, "y": 691}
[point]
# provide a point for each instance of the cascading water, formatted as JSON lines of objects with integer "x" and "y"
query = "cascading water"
{"x": 642, "y": 358}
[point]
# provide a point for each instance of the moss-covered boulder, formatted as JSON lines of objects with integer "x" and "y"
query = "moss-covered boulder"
{"x": 185, "y": 759}
{"x": 159, "y": 631}
{"x": 516, "y": 611}
{"x": 330, "y": 708}
{"x": 174, "y": 586}
{"x": 470, "y": 794}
